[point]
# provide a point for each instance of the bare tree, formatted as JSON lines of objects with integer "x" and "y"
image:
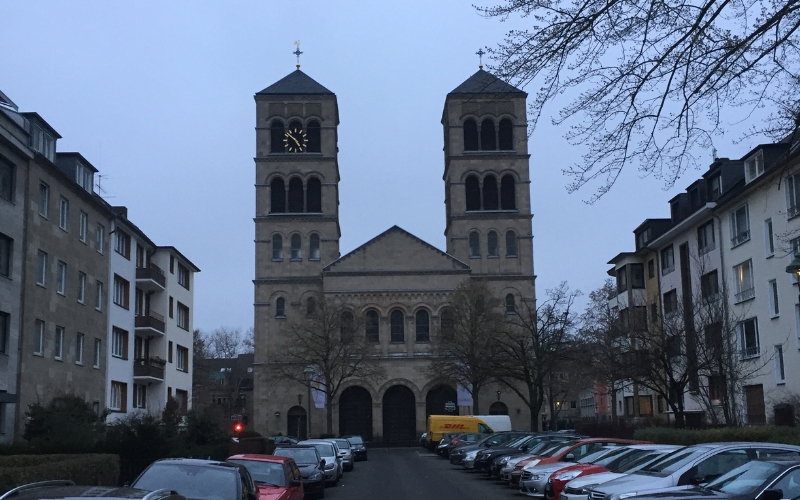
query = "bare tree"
{"x": 225, "y": 342}
{"x": 249, "y": 341}
{"x": 651, "y": 82}
{"x": 465, "y": 352}
{"x": 199, "y": 347}
{"x": 325, "y": 341}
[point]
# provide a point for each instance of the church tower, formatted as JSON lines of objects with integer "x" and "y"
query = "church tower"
{"x": 487, "y": 185}
{"x": 297, "y": 212}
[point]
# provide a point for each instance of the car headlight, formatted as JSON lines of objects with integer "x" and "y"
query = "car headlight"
{"x": 566, "y": 476}
{"x": 315, "y": 476}
{"x": 330, "y": 466}
{"x": 503, "y": 460}
{"x": 471, "y": 455}
{"x": 538, "y": 477}
{"x": 628, "y": 495}
{"x": 585, "y": 488}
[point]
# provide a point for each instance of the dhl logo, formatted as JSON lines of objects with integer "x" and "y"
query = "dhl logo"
{"x": 455, "y": 426}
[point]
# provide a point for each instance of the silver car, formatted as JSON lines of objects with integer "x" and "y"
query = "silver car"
{"x": 533, "y": 481}
{"x": 346, "y": 452}
{"x": 333, "y": 462}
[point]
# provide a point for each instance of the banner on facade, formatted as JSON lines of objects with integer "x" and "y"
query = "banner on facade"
{"x": 318, "y": 395}
{"x": 463, "y": 395}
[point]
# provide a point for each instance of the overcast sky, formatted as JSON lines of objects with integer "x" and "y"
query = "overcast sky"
{"x": 159, "y": 97}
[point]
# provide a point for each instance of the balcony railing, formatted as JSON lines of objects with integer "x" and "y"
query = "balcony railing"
{"x": 149, "y": 367}
{"x": 745, "y": 295}
{"x": 740, "y": 238}
{"x": 793, "y": 211}
{"x": 152, "y": 321}
{"x": 152, "y": 273}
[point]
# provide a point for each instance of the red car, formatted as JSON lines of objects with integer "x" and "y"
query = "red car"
{"x": 277, "y": 478}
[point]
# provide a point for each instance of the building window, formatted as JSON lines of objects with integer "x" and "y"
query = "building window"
{"x": 397, "y": 323}
{"x": 122, "y": 243}
{"x": 169, "y": 352}
{"x": 622, "y": 279}
{"x": 488, "y": 135}
{"x": 38, "y": 338}
{"x": 41, "y": 275}
{"x": 183, "y": 276}
{"x": 709, "y": 285}
{"x": 119, "y": 396}
{"x": 346, "y": 326}
{"x": 780, "y": 370}
{"x": 372, "y": 321}
{"x": 311, "y": 306}
{"x": 313, "y": 196}
{"x": 491, "y": 198}
{"x": 651, "y": 269}
{"x": 181, "y": 358}
{"x": 774, "y": 309}
{"x": 511, "y": 306}
{"x": 5, "y": 330}
{"x": 6, "y": 179}
{"x": 447, "y": 322}
{"x": 79, "y": 340}
{"x": 63, "y": 213}
{"x": 296, "y": 197}
{"x": 506, "y": 135}
{"x": 313, "y": 247}
{"x": 183, "y": 316}
{"x": 277, "y": 189}
{"x": 748, "y": 338}
{"x": 423, "y": 326}
{"x": 740, "y": 226}
{"x": 6, "y": 245}
{"x": 793, "y": 195}
{"x": 297, "y": 253}
{"x": 100, "y": 238}
{"x": 492, "y": 241}
{"x": 508, "y": 196}
{"x": 314, "y": 137}
{"x": 119, "y": 343}
{"x": 140, "y": 396}
{"x": 81, "y": 287}
{"x": 714, "y": 187}
{"x": 97, "y": 352}
{"x": 754, "y": 166}
{"x": 44, "y": 200}
{"x": 98, "y": 296}
{"x": 277, "y": 247}
{"x": 84, "y": 177}
{"x": 276, "y": 131}
{"x": 122, "y": 290}
{"x": 667, "y": 260}
{"x": 171, "y": 307}
{"x": 58, "y": 344}
{"x": 474, "y": 245}
{"x": 637, "y": 275}
{"x": 280, "y": 307}
{"x": 83, "y": 226}
{"x": 472, "y": 189}
{"x": 61, "y": 278}
{"x": 470, "y": 135}
{"x": 705, "y": 237}
{"x": 744, "y": 287}
{"x": 671, "y": 302}
{"x": 511, "y": 244}
{"x": 769, "y": 238}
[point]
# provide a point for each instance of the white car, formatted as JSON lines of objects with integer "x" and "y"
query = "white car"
{"x": 333, "y": 461}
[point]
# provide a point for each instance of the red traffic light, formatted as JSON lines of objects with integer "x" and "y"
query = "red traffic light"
{"x": 237, "y": 427}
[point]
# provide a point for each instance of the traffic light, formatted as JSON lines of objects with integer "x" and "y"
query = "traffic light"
{"x": 238, "y": 427}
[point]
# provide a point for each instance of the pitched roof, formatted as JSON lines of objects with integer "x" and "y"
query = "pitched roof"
{"x": 296, "y": 83}
{"x": 483, "y": 82}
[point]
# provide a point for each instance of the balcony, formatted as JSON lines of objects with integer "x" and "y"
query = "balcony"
{"x": 150, "y": 324}
{"x": 151, "y": 278}
{"x": 148, "y": 369}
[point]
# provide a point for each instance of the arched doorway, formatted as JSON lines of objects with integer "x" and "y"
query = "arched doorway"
{"x": 498, "y": 408}
{"x": 355, "y": 412}
{"x": 441, "y": 400}
{"x": 296, "y": 423}
{"x": 399, "y": 416}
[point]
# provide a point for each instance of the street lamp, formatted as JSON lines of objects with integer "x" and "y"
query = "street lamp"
{"x": 309, "y": 373}
{"x": 498, "y": 394}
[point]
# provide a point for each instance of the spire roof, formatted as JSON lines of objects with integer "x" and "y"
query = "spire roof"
{"x": 296, "y": 83}
{"x": 483, "y": 82}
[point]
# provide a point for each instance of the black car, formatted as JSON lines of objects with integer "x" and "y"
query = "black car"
{"x": 357, "y": 447}
{"x": 311, "y": 465}
{"x": 459, "y": 439}
{"x": 498, "y": 438}
{"x": 199, "y": 479}
{"x": 284, "y": 439}
{"x": 57, "y": 490}
{"x": 484, "y": 460}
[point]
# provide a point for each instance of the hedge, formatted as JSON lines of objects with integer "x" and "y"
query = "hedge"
{"x": 85, "y": 469}
{"x": 686, "y": 437}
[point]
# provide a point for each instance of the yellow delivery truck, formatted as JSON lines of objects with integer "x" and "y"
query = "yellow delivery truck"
{"x": 439, "y": 425}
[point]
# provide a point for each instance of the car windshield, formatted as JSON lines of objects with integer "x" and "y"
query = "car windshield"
{"x": 343, "y": 444}
{"x": 602, "y": 455}
{"x": 324, "y": 449}
{"x": 355, "y": 440}
{"x": 195, "y": 482}
{"x": 745, "y": 479}
{"x": 559, "y": 448}
{"x": 640, "y": 462}
{"x": 269, "y": 473}
{"x": 675, "y": 460}
{"x": 516, "y": 443}
{"x": 303, "y": 456}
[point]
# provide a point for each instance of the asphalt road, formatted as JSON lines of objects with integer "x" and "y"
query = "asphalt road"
{"x": 413, "y": 473}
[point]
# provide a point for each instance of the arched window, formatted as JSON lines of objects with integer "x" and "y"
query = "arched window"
{"x": 276, "y": 132}
{"x": 474, "y": 244}
{"x": 294, "y": 126}
{"x": 313, "y": 247}
{"x": 511, "y": 244}
{"x": 506, "y": 135}
{"x": 311, "y": 306}
{"x": 277, "y": 247}
{"x": 277, "y": 195}
{"x": 447, "y": 323}
{"x": 488, "y": 135}
{"x": 295, "y": 195}
{"x": 473, "y": 192}
{"x": 507, "y": 195}
{"x": 490, "y": 198}
{"x": 470, "y": 135}
{"x": 346, "y": 320}
{"x": 511, "y": 306}
{"x": 280, "y": 308}
{"x": 423, "y": 326}
{"x": 314, "y": 195}
{"x": 491, "y": 239}
{"x": 297, "y": 252}
{"x": 372, "y": 326}
{"x": 314, "y": 137}
{"x": 397, "y": 321}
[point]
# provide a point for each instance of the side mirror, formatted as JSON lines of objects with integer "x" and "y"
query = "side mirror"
{"x": 570, "y": 457}
{"x": 322, "y": 462}
{"x": 771, "y": 495}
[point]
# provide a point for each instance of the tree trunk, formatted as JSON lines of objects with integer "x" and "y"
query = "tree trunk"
{"x": 329, "y": 416}
{"x": 613, "y": 402}
{"x": 534, "y": 420}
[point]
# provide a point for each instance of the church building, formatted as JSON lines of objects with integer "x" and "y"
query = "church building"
{"x": 400, "y": 283}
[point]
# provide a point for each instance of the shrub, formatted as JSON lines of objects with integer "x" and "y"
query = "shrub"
{"x": 686, "y": 437}
{"x": 67, "y": 424}
{"x": 86, "y": 469}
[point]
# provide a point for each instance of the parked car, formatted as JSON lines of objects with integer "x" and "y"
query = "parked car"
{"x": 199, "y": 479}
{"x": 459, "y": 453}
{"x": 284, "y": 439}
{"x": 64, "y": 490}
{"x": 277, "y": 478}
{"x": 485, "y": 458}
{"x": 690, "y": 466}
{"x": 348, "y": 462}
{"x": 311, "y": 465}
{"x": 330, "y": 453}
{"x": 358, "y": 446}
{"x": 508, "y": 464}
{"x": 461, "y": 439}
{"x": 535, "y": 479}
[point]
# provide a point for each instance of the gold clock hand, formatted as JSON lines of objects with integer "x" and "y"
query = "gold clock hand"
{"x": 295, "y": 140}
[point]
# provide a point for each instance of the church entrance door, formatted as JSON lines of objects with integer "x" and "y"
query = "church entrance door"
{"x": 441, "y": 400}
{"x": 399, "y": 416}
{"x": 355, "y": 413}
{"x": 296, "y": 423}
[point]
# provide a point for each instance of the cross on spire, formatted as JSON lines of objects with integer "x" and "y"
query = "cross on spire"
{"x": 480, "y": 54}
{"x": 297, "y": 53}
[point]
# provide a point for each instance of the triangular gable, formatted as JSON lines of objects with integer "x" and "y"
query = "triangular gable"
{"x": 483, "y": 82}
{"x": 396, "y": 250}
{"x": 296, "y": 83}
